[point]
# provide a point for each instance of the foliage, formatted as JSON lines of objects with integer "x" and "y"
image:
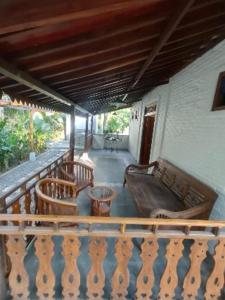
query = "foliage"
{"x": 118, "y": 121}
{"x": 15, "y": 144}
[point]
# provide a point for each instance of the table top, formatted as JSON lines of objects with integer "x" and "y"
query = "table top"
{"x": 102, "y": 193}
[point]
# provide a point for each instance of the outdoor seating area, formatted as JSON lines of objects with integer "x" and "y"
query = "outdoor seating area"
{"x": 112, "y": 151}
{"x": 168, "y": 192}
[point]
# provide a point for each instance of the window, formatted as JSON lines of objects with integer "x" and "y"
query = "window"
{"x": 219, "y": 98}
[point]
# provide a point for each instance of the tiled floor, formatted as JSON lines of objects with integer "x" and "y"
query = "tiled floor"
{"x": 108, "y": 169}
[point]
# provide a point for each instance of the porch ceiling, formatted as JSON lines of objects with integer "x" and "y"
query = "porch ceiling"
{"x": 92, "y": 53}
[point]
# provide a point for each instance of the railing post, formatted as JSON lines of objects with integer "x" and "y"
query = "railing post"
{"x": 2, "y": 269}
{"x": 86, "y": 135}
{"x": 72, "y": 133}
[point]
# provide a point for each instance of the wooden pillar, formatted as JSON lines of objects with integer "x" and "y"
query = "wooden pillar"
{"x": 72, "y": 133}
{"x": 31, "y": 130}
{"x": 91, "y": 124}
{"x": 91, "y": 130}
{"x": 86, "y": 135}
{"x": 2, "y": 269}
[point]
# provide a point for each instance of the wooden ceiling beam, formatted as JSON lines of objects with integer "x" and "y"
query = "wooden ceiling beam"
{"x": 95, "y": 61}
{"x": 180, "y": 12}
{"x": 120, "y": 91}
{"x": 98, "y": 90}
{"x": 195, "y": 35}
{"x": 90, "y": 52}
{"x": 99, "y": 85}
{"x": 99, "y": 69}
{"x": 119, "y": 94}
{"x": 26, "y": 79}
{"x": 30, "y": 14}
{"x": 119, "y": 31}
{"x": 114, "y": 74}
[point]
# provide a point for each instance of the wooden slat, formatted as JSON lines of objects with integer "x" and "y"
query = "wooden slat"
{"x": 121, "y": 276}
{"x": 18, "y": 277}
{"x": 180, "y": 11}
{"x": 96, "y": 275}
{"x": 169, "y": 278}
{"x": 192, "y": 280}
{"x": 71, "y": 274}
{"x": 57, "y": 11}
{"x": 96, "y": 61}
{"x": 24, "y": 78}
{"x": 145, "y": 279}
{"x": 45, "y": 279}
{"x": 216, "y": 279}
{"x": 102, "y": 52}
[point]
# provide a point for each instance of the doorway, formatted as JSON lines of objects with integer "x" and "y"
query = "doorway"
{"x": 147, "y": 134}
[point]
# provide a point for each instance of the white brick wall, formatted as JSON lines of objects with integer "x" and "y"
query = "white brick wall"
{"x": 194, "y": 137}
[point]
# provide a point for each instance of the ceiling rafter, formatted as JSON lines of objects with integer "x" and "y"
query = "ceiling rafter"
{"x": 180, "y": 12}
{"x": 26, "y": 79}
{"x": 55, "y": 12}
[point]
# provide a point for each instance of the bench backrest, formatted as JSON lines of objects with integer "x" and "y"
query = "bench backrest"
{"x": 189, "y": 189}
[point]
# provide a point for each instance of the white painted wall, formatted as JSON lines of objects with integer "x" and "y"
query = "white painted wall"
{"x": 194, "y": 136}
{"x": 160, "y": 97}
{"x": 99, "y": 142}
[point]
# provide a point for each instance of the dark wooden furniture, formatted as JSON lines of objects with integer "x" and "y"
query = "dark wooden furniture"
{"x": 160, "y": 189}
{"x": 78, "y": 173}
{"x": 56, "y": 197}
{"x": 101, "y": 199}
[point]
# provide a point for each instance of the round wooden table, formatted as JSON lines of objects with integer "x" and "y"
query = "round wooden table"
{"x": 101, "y": 199}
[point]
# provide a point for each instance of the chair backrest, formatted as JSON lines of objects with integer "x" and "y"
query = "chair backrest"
{"x": 56, "y": 197}
{"x": 78, "y": 173}
{"x": 188, "y": 189}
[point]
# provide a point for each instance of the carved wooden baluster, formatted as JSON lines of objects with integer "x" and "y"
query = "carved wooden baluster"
{"x": 45, "y": 279}
{"x": 27, "y": 203}
{"x": 16, "y": 209}
{"x": 121, "y": 276}
{"x": 216, "y": 280}
{"x": 145, "y": 279}
{"x": 96, "y": 275}
{"x": 18, "y": 278}
{"x": 71, "y": 275}
{"x": 169, "y": 278}
{"x": 192, "y": 280}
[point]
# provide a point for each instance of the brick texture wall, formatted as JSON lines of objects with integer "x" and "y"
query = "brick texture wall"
{"x": 187, "y": 132}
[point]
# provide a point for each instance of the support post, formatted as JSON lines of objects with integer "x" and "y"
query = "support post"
{"x": 86, "y": 135}
{"x": 31, "y": 130}
{"x": 91, "y": 130}
{"x": 72, "y": 133}
{"x": 2, "y": 269}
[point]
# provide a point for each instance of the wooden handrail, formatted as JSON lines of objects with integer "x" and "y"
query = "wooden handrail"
{"x": 112, "y": 220}
{"x": 121, "y": 239}
{"x": 12, "y": 190}
{"x": 23, "y": 189}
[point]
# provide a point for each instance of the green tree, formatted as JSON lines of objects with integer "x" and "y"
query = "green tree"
{"x": 118, "y": 121}
{"x": 14, "y": 134}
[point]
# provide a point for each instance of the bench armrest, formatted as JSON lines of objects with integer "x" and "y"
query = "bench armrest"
{"x": 133, "y": 167}
{"x": 184, "y": 214}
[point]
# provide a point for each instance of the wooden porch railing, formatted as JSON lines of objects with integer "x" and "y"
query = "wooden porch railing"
{"x": 126, "y": 258}
{"x": 21, "y": 198}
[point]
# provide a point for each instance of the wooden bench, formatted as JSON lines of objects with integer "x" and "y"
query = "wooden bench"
{"x": 160, "y": 189}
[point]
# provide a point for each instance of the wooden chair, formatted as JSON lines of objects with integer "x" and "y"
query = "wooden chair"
{"x": 78, "y": 173}
{"x": 56, "y": 197}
